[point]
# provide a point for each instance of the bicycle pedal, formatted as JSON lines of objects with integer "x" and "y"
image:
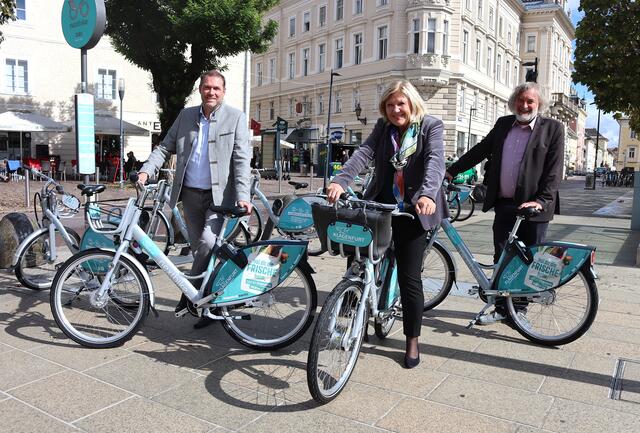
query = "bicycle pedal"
{"x": 182, "y": 312}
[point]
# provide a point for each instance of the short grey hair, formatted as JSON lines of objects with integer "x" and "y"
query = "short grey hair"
{"x": 542, "y": 101}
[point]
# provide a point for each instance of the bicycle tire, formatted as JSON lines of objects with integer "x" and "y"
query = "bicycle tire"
{"x": 454, "y": 208}
{"x": 438, "y": 274}
{"x": 539, "y": 317}
{"x": 466, "y": 209}
{"x": 332, "y": 342}
{"x": 33, "y": 270}
{"x": 158, "y": 228}
{"x": 382, "y": 327}
{"x": 263, "y": 329}
{"x": 105, "y": 326}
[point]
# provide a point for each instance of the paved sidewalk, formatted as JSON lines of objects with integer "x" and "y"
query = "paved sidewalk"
{"x": 171, "y": 378}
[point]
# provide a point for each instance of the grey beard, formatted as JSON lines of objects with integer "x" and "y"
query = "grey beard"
{"x": 526, "y": 118}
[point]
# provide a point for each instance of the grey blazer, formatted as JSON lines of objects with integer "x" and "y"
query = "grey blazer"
{"x": 423, "y": 173}
{"x": 229, "y": 153}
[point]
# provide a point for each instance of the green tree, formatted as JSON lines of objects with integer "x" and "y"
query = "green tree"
{"x": 7, "y": 12}
{"x": 607, "y": 55}
{"x": 178, "y": 40}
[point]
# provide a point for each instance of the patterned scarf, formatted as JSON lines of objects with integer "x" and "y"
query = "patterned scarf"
{"x": 403, "y": 151}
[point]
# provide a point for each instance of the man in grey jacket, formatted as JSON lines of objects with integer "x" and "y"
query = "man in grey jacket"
{"x": 211, "y": 142}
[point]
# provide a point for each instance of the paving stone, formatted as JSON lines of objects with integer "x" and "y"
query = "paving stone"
{"x": 182, "y": 353}
{"x": 17, "y": 417}
{"x": 219, "y": 402}
{"x": 491, "y": 399}
{"x": 69, "y": 395}
{"x": 363, "y": 403}
{"x": 19, "y": 368}
{"x": 316, "y": 421}
{"x": 77, "y": 357}
{"x": 571, "y": 417}
{"x": 413, "y": 415}
{"x": 141, "y": 375}
{"x": 137, "y": 415}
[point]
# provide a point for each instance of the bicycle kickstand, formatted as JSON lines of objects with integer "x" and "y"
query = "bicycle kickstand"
{"x": 480, "y": 313}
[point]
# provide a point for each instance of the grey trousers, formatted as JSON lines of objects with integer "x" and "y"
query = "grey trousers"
{"x": 203, "y": 226}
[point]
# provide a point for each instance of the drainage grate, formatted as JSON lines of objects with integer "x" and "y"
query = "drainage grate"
{"x": 625, "y": 382}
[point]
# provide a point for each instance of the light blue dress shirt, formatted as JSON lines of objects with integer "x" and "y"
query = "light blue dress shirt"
{"x": 198, "y": 173}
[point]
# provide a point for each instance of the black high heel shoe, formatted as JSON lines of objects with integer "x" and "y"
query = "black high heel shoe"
{"x": 411, "y": 362}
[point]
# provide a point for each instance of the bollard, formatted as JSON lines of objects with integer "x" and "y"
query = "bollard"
{"x": 14, "y": 227}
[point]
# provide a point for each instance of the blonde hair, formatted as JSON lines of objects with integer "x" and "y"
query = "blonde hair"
{"x": 418, "y": 109}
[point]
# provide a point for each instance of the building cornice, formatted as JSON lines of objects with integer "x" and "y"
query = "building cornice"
{"x": 556, "y": 13}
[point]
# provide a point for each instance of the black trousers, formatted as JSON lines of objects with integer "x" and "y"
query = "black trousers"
{"x": 529, "y": 232}
{"x": 410, "y": 242}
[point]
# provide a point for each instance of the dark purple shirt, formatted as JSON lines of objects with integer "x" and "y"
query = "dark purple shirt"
{"x": 512, "y": 152}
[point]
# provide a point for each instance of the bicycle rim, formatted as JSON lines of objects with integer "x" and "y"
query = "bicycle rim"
{"x": 158, "y": 229}
{"x": 111, "y": 324}
{"x": 454, "y": 209}
{"x": 557, "y": 316}
{"x": 249, "y": 229}
{"x": 438, "y": 274}
{"x": 467, "y": 208}
{"x": 36, "y": 268}
{"x": 276, "y": 318}
{"x": 336, "y": 342}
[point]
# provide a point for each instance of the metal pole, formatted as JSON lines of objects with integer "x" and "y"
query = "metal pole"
{"x": 83, "y": 88}
{"x": 278, "y": 160}
{"x": 471, "y": 110}
{"x": 121, "y": 94}
{"x": 328, "y": 149}
{"x": 595, "y": 161}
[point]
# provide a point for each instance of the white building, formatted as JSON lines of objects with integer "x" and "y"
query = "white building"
{"x": 42, "y": 73}
{"x": 464, "y": 56}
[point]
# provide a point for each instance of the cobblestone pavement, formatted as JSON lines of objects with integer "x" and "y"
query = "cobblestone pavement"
{"x": 172, "y": 378}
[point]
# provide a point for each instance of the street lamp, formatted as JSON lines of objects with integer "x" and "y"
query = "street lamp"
{"x": 595, "y": 160}
{"x": 326, "y": 170}
{"x": 358, "y": 110}
{"x": 471, "y": 111}
{"x": 121, "y": 95}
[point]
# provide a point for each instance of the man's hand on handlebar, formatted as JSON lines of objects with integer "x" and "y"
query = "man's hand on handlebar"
{"x": 246, "y": 205}
{"x": 143, "y": 177}
{"x": 334, "y": 191}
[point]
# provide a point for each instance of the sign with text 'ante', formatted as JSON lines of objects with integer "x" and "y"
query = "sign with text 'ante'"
{"x": 85, "y": 133}
{"x": 83, "y": 22}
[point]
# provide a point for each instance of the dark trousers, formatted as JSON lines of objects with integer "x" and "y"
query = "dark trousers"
{"x": 410, "y": 242}
{"x": 529, "y": 232}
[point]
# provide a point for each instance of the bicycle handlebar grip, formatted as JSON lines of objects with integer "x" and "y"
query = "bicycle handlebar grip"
{"x": 59, "y": 188}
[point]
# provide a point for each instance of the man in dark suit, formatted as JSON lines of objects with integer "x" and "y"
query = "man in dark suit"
{"x": 526, "y": 154}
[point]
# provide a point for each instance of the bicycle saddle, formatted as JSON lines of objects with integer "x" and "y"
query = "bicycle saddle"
{"x": 528, "y": 212}
{"x": 298, "y": 185}
{"x": 89, "y": 190}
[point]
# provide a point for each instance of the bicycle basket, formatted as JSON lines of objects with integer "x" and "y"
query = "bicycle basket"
{"x": 106, "y": 216}
{"x": 361, "y": 226}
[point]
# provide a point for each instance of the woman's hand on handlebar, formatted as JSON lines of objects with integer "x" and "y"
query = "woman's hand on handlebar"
{"x": 425, "y": 206}
{"x": 334, "y": 191}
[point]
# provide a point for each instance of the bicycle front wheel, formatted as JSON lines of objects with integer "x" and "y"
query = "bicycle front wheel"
{"x": 99, "y": 324}
{"x": 277, "y": 318}
{"x": 438, "y": 274}
{"x": 158, "y": 228}
{"x": 557, "y": 316}
{"x": 454, "y": 208}
{"x": 466, "y": 209}
{"x": 37, "y": 265}
{"x": 336, "y": 341}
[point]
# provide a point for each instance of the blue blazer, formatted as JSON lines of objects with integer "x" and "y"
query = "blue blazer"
{"x": 423, "y": 173}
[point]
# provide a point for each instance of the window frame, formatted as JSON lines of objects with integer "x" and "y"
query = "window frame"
{"x": 338, "y": 53}
{"x": 99, "y": 87}
{"x": 382, "y": 41}
{"x": 358, "y": 48}
{"x": 14, "y": 88}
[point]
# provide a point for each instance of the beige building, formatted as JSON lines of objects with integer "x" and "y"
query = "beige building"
{"x": 42, "y": 73}
{"x": 464, "y": 56}
{"x": 628, "y": 146}
{"x": 596, "y": 146}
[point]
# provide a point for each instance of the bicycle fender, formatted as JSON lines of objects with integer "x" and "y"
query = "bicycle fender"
{"x": 553, "y": 264}
{"x": 23, "y": 244}
{"x": 145, "y": 275}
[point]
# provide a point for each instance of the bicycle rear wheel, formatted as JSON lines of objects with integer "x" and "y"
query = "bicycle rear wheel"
{"x": 158, "y": 228}
{"x": 557, "y": 316}
{"x": 35, "y": 268}
{"x": 438, "y": 274}
{"x": 276, "y": 318}
{"x": 466, "y": 209}
{"x": 336, "y": 342}
{"x": 99, "y": 326}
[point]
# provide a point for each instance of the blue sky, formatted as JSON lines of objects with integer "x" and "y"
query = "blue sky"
{"x": 608, "y": 126}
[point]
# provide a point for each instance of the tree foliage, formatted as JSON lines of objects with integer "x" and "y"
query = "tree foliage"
{"x": 178, "y": 40}
{"x": 607, "y": 55}
{"x": 7, "y": 12}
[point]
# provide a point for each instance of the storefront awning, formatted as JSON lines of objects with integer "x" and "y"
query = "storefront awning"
{"x": 105, "y": 124}
{"x": 17, "y": 121}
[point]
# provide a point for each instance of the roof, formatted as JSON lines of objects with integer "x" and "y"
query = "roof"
{"x": 592, "y": 133}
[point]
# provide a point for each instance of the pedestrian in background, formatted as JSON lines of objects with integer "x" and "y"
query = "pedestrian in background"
{"x": 211, "y": 142}
{"x": 526, "y": 151}
{"x": 407, "y": 148}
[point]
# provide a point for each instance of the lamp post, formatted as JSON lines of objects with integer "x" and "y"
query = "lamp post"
{"x": 358, "y": 111}
{"x": 326, "y": 169}
{"x": 595, "y": 160}
{"x": 471, "y": 111}
{"x": 121, "y": 95}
